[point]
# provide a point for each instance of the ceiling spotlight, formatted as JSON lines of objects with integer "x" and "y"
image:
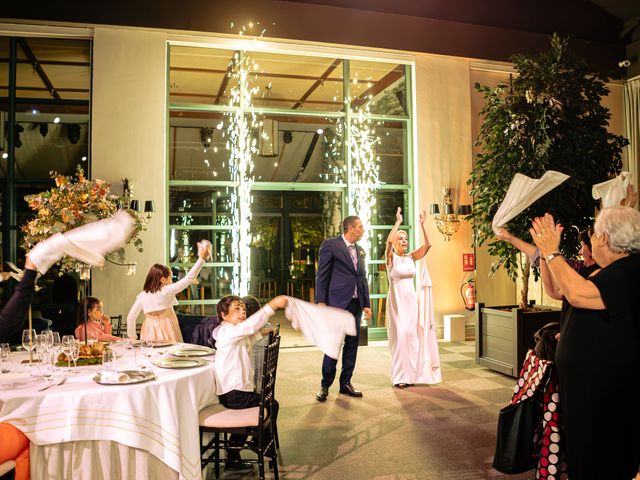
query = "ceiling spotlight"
{"x": 35, "y": 111}
{"x": 219, "y": 126}
{"x": 624, "y": 63}
{"x": 73, "y": 132}
{"x": 84, "y": 158}
{"x": 56, "y": 120}
{"x": 206, "y": 135}
{"x": 5, "y": 155}
{"x": 319, "y": 131}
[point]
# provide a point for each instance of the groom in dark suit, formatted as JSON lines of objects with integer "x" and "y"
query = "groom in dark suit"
{"x": 341, "y": 282}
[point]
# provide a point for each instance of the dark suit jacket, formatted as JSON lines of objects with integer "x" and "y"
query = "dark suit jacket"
{"x": 336, "y": 278}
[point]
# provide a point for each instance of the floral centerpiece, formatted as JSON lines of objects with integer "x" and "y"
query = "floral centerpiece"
{"x": 71, "y": 203}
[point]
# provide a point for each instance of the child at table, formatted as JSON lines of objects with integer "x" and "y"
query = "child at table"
{"x": 235, "y": 336}
{"x": 158, "y": 298}
{"x": 98, "y": 324}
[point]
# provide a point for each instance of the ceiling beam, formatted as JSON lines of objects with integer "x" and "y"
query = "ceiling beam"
{"x": 317, "y": 83}
{"x": 38, "y": 68}
{"x": 391, "y": 77}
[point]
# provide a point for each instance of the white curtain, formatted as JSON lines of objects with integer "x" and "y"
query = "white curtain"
{"x": 632, "y": 125}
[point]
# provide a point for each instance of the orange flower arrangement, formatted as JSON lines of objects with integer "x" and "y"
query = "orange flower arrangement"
{"x": 71, "y": 203}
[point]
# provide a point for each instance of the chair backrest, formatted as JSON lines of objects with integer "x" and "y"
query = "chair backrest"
{"x": 116, "y": 324}
{"x": 269, "y": 368}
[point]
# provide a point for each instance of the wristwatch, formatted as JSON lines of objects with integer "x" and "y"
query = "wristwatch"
{"x": 552, "y": 255}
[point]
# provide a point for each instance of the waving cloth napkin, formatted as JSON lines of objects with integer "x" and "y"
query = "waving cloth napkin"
{"x": 612, "y": 191}
{"x": 522, "y": 192}
{"x": 428, "y": 362}
{"x": 324, "y": 327}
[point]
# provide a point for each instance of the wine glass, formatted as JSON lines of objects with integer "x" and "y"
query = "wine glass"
{"x": 75, "y": 352}
{"x": 29, "y": 342}
{"x": 67, "y": 345}
{"x": 5, "y": 357}
{"x": 147, "y": 349}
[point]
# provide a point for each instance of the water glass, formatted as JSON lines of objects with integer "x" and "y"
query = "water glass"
{"x": 29, "y": 341}
{"x": 147, "y": 349}
{"x": 5, "y": 358}
{"x": 46, "y": 363}
{"x": 109, "y": 360}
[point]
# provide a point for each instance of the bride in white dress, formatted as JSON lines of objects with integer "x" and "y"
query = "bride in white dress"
{"x": 414, "y": 354}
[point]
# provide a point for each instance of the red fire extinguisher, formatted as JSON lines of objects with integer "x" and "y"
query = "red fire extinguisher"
{"x": 468, "y": 293}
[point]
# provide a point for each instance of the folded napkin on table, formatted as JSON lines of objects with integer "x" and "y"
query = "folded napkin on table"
{"x": 113, "y": 376}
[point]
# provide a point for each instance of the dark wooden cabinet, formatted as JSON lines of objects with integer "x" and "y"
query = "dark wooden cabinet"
{"x": 505, "y": 333}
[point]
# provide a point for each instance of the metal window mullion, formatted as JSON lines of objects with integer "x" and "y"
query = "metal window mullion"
{"x": 346, "y": 92}
{"x": 9, "y": 208}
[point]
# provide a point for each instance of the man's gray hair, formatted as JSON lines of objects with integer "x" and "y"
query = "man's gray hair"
{"x": 622, "y": 226}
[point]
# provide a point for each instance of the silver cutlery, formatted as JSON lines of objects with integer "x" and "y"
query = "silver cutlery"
{"x": 64, "y": 379}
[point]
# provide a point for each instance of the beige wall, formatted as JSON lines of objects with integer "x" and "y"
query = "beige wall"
{"x": 444, "y": 156}
{"x": 128, "y": 140}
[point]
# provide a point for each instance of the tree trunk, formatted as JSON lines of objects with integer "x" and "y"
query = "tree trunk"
{"x": 526, "y": 273}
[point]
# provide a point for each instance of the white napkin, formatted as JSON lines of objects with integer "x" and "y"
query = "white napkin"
{"x": 522, "y": 192}
{"x": 113, "y": 377}
{"x": 324, "y": 327}
{"x": 612, "y": 191}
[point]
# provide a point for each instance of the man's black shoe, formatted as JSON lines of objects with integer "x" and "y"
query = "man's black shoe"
{"x": 238, "y": 466}
{"x": 322, "y": 394}
{"x": 349, "y": 390}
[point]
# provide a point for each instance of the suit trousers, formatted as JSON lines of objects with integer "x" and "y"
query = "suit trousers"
{"x": 15, "y": 311}
{"x": 349, "y": 352}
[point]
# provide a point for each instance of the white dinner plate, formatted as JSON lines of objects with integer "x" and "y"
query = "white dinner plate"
{"x": 192, "y": 351}
{"x": 180, "y": 362}
{"x": 133, "y": 376}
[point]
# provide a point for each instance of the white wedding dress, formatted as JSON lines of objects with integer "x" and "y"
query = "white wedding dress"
{"x": 414, "y": 350}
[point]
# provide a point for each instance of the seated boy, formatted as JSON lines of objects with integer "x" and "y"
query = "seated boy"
{"x": 234, "y": 338}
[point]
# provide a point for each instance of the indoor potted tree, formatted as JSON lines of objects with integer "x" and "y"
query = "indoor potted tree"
{"x": 548, "y": 116}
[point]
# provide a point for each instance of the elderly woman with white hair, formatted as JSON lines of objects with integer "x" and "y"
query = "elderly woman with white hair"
{"x": 598, "y": 355}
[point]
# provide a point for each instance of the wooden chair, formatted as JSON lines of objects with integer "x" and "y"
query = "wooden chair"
{"x": 256, "y": 422}
{"x": 116, "y": 324}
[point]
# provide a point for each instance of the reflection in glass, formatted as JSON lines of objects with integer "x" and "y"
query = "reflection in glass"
{"x": 196, "y": 205}
{"x": 183, "y": 249}
{"x": 48, "y": 142}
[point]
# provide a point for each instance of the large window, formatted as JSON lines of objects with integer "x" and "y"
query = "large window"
{"x": 44, "y": 127}
{"x": 303, "y": 117}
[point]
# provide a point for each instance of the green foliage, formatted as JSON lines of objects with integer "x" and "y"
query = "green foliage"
{"x": 548, "y": 117}
{"x": 264, "y": 231}
{"x": 307, "y": 232}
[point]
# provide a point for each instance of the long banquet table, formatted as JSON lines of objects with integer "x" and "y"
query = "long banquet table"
{"x": 82, "y": 429}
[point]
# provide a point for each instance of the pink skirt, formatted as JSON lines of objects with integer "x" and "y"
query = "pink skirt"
{"x": 161, "y": 328}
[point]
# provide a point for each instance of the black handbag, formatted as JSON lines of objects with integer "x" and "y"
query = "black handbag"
{"x": 516, "y": 451}
{"x": 520, "y": 422}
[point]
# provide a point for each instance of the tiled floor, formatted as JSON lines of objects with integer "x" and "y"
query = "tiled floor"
{"x": 439, "y": 432}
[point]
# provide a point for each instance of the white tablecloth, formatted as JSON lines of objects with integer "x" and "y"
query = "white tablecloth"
{"x": 159, "y": 417}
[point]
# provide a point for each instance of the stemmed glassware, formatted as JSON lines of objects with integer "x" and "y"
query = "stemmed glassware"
{"x": 68, "y": 342}
{"x": 5, "y": 356}
{"x": 75, "y": 352}
{"x": 29, "y": 342}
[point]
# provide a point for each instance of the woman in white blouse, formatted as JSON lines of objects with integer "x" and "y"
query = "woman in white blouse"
{"x": 158, "y": 298}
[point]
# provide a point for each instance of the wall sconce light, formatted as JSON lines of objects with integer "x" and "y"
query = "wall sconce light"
{"x": 447, "y": 220}
{"x": 149, "y": 208}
